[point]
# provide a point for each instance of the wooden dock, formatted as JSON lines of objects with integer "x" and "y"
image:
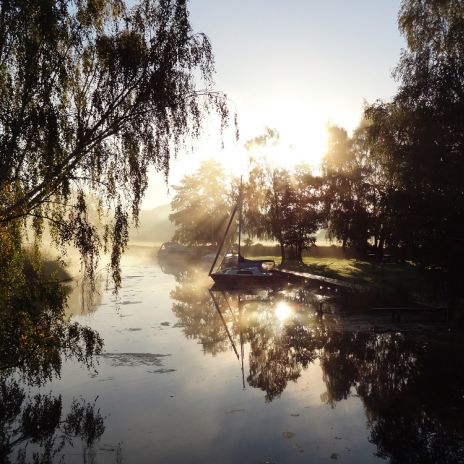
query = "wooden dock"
{"x": 321, "y": 280}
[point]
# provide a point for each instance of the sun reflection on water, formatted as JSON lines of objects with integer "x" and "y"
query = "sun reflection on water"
{"x": 283, "y": 311}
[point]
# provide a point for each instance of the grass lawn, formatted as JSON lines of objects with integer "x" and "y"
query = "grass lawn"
{"x": 362, "y": 272}
{"x": 404, "y": 280}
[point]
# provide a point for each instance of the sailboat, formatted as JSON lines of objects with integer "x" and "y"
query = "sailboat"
{"x": 231, "y": 269}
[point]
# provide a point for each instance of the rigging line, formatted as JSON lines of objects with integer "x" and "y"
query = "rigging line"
{"x": 230, "y": 308}
{"x": 240, "y": 217}
{"x": 223, "y": 239}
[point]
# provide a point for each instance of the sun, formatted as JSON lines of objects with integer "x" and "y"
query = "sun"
{"x": 306, "y": 136}
{"x": 302, "y": 139}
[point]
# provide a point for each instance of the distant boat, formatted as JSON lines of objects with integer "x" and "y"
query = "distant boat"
{"x": 231, "y": 269}
{"x": 173, "y": 249}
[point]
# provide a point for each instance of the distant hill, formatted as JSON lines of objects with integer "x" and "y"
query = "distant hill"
{"x": 155, "y": 227}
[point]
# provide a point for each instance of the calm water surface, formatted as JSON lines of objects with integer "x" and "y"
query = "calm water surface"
{"x": 193, "y": 376}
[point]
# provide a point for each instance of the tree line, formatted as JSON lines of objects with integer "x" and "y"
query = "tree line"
{"x": 92, "y": 94}
{"x": 396, "y": 182}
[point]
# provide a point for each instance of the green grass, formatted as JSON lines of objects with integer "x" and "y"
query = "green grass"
{"x": 398, "y": 278}
{"x": 403, "y": 280}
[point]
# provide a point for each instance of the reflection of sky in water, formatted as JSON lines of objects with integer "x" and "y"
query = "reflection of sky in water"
{"x": 168, "y": 398}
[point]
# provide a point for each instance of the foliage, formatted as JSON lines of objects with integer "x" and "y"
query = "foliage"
{"x": 361, "y": 191}
{"x": 92, "y": 93}
{"x": 35, "y": 338}
{"x": 397, "y": 182}
{"x": 34, "y": 332}
{"x": 302, "y": 208}
{"x": 39, "y": 419}
{"x": 345, "y": 200}
{"x": 284, "y": 206}
{"x": 280, "y": 204}
{"x": 201, "y": 206}
{"x": 419, "y": 134}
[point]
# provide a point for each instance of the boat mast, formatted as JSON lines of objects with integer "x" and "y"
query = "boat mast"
{"x": 240, "y": 217}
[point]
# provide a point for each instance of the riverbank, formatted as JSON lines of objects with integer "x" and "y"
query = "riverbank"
{"x": 396, "y": 283}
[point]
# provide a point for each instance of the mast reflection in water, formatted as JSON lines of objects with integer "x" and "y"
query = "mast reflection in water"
{"x": 409, "y": 375}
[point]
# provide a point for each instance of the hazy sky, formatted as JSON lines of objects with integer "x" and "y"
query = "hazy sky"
{"x": 294, "y": 66}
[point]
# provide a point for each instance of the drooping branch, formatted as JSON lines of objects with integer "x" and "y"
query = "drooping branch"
{"x": 96, "y": 94}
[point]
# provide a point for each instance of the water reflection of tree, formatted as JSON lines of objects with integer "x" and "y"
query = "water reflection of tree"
{"x": 82, "y": 298}
{"x": 411, "y": 384}
{"x": 197, "y": 314}
{"x": 39, "y": 420}
{"x": 278, "y": 354}
{"x": 339, "y": 366}
{"x": 412, "y": 389}
{"x": 35, "y": 337}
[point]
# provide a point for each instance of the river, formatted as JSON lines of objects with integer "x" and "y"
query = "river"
{"x": 193, "y": 376}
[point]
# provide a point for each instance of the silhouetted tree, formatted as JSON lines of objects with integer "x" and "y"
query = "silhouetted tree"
{"x": 91, "y": 95}
{"x": 348, "y": 209}
{"x": 417, "y": 138}
{"x": 262, "y": 193}
{"x": 302, "y": 212}
{"x": 283, "y": 205}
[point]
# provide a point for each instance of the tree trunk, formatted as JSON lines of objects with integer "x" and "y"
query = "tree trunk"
{"x": 344, "y": 242}
{"x": 299, "y": 252}
{"x": 282, "y": 252}
{"x": 379, "y": 251}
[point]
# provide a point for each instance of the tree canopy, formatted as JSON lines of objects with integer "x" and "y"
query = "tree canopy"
{"x": 398, "y": 180}
{"x": 201, "y": 206}
{"x": 418, "y": 137}
{"x": 93, "y": 93}
{"x": 281, "y": 204}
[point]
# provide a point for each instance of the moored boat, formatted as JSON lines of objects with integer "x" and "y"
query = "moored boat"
{"x": 235, "y": 271}
{"x": 246, "y": 278}
{"x": 173, "y": 249}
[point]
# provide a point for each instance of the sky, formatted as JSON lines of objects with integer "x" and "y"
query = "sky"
{"x": 294, "y": 66}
